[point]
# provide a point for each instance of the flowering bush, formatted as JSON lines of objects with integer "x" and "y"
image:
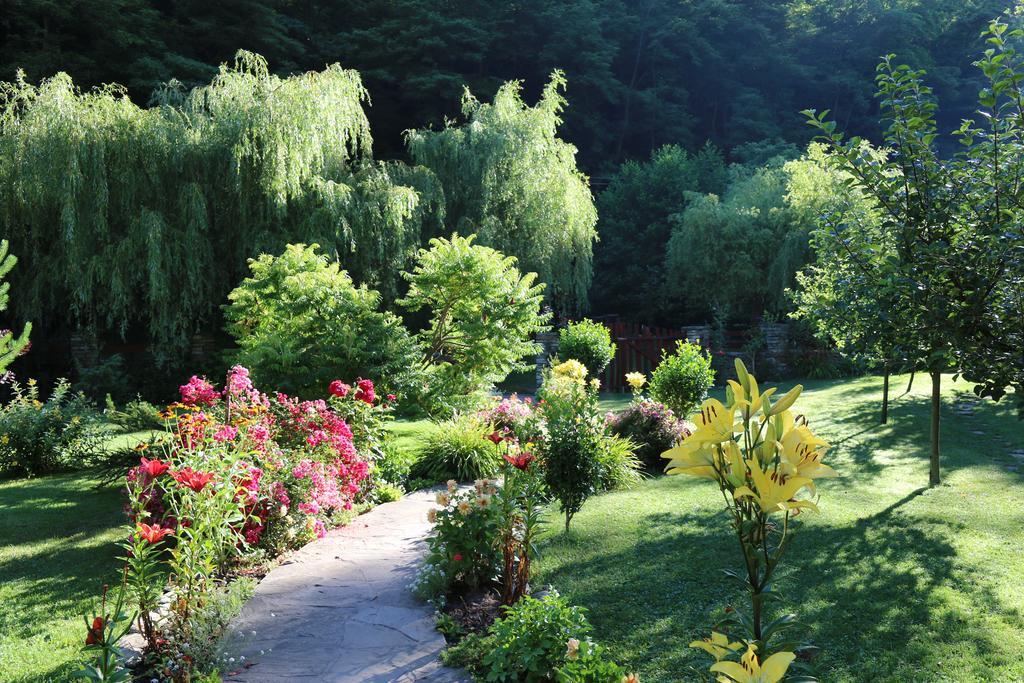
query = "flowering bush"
{"x": 38, "y": 437}
{"x": 763, "y": 458}
{"x": 516, "y": 417}
{"x": 241, "y": 475}
{"x": 463, "y": 549}
{"x": 653, "y": 427}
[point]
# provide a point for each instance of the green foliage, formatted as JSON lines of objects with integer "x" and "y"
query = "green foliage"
{"x": 132, "y": 216}
{"x": 10, "y": 347}
{"x": 531, "y": 642}
{"x": 458, "y": 450}
{"x": 463, "y": 551}
{"x": 682, "y": 379}
{"x": 209, "y": 647}
{"x": 575, "y": 443}
{"x": 136, "y": 415}
{"x": 40, "y": 437}
{"x": 483, "y": 314}
{"x": 300, "y": 322}
{"x": 588, "y": 342}
{"x": 510, "y": 179}
{"x": 637, "y": 210}
{"x": 620, "y": 467}
{"x": 393, "y": 465}
{"x": 752, "y": 225}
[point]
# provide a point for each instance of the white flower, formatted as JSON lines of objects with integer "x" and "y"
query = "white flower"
{"x": 572, "y": 649}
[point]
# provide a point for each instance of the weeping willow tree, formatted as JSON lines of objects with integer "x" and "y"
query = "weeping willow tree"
{"x": 508, "y": 178}
{"x": 147, "y": 216}
{"x": 10, "y": 345}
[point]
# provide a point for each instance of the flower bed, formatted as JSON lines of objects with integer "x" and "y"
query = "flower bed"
{"x": 240, "y": 477}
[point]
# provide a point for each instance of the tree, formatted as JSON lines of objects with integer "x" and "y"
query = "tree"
{"x": 300, "y": 323}
{"x": 483, "y": 313}
{"x": 10, "y": 347}
{"x": 843, "y": 293}
{"x": 145, "y": 218}
{"x": 955, "y": 223}
{"x": 510, "y": 179}
{"x": 637, "y": 208}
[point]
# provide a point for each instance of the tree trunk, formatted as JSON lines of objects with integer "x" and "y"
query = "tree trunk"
{"x": 885, "y": 397}
{"x": 933, "y": 474}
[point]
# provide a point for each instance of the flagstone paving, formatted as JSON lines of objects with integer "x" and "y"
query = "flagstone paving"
{"x": 340, "y": 609}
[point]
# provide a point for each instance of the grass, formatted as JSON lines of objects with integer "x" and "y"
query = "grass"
{"x": 895, "y": 581}
{"x": 58, "y": 546}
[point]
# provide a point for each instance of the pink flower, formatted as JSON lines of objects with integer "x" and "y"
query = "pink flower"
{"x": 320, "y": 529}
{"x": 310, "y": 508}
{"x": 391, "y": 398}
{"x": 198, "y": 391}
{"x": 225, "y": 433}
{"x": 365, "y": 391}
{"x": 457, "y": 557}
{"x": 338, "y": 388}
{"x": 259, "y": 433}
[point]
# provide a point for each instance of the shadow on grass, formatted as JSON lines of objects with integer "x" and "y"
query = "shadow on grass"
{"x": 870, "y": 592}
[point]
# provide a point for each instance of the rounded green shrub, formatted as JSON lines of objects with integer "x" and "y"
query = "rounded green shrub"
{"x": 588, "y": 342}
{"x": 682, "y": 379}
{"x": 458, "y": 450}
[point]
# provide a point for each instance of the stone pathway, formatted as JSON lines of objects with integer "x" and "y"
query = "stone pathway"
{"x": 341, "y": 610}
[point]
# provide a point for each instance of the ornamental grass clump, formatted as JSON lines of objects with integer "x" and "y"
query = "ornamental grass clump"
{"x": 765, "y": 460}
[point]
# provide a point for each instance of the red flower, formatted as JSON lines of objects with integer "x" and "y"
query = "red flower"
{"x": 95, "y": 636}
{"x": 153, "y": 468}
{"x": 153, "y": 533}
{"x": 457, "y": 557}
{"x": 338, "y": 388}
{"x": 196, "y": 481}
{"x": 391, "y": 398}
{"x": 495, "y": 438}
{"x": 365, "y": 391}
{"x": 521, "y": 461}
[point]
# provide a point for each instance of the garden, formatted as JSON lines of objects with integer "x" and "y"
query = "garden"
{"x": 273, "y": 407}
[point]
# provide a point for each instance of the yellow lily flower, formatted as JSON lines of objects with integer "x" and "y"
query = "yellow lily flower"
{"x": 693, "y": 458}
{"x": 750, "y": 670}
{"x": 717, "y": 645}
{"x": 715, "y": 423}
{"x": 802, "y": 451}
{"x": 774, "y": 492}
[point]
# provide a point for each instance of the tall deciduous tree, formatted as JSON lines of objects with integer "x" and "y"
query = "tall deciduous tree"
{"x": 132, "y": 216}
{"x": 955, "y": 223}
{"x": 10, "y": 345}
{"x": 509, "y": 178}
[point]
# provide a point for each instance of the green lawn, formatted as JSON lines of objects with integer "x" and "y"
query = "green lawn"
{"x": 58, "y": 545}
{"x": 896, "y": 582}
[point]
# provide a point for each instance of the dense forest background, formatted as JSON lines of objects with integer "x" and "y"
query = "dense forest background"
{"x": 641, "y": 73}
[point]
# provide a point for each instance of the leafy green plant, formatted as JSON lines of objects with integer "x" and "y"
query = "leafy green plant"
{"x": 135, "y": 416}
{"x": 301, "y": 322}
{"x": 682, "y": 379}
{"x": 535, "y": 639}
{"x": 39, "y": 437}
{"x": 575, "y": 443}
{"x": 483, "y": 315}
{"x": 588, "y": 342}
{"x": 620, "y": 467}
{"x": 10, "y": 347}
{"x": 457, "y": 450}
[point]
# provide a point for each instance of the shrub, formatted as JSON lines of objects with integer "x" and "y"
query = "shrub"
{"x": 588, "y": 342}
{"x": 394, "y": 465}
{"x": 682, "y": 379}
{"x": 652, "y": 427}
{"x": 538, "y": 640}
{"x": 458, "y": 450}
{"x": 136, "y": 416}
{"x": 39, "y": 437}
{"x": 463, "y": 548}
{"x": 483, "y": 315}
{"x": 301, "y": 322}
{"x": 574, "y": 446}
